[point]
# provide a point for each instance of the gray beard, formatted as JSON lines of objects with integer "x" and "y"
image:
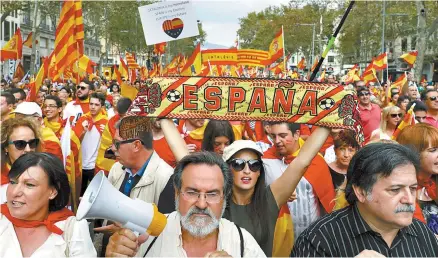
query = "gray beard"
{"x": 199, "y": 227}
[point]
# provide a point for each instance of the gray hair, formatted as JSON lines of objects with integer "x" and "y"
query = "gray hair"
{"x": 207, "y": 158}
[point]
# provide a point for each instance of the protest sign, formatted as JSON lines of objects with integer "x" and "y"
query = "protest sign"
{"x": 167, "y": 21}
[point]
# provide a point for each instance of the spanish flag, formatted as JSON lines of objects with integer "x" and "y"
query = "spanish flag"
{"x": 369, "y": 76}
{"x": 28, "y": 41}
{"x": 401, "y": 81}
{"x": 408, "y": 120}
{"x": 380, "y": 62}
{"x": 160, "y": 48}
{"x": 19, "y": 71}
{"x": 302, "y": 64}
{"x": 278, "y": 68}
{"x": 86, "y": 64}
{"x": 276, "y": 48}
{"x": 352, "y": 75}
{"x": 283, "y": 234}
{"x": 194, "y": 63}
{"x": 123, "y": 68}
{"x": 102, "y": 163}
{"x": 13, "y": 49}
{"x": 410, "y": 57}
{"x": 34, "y": 85}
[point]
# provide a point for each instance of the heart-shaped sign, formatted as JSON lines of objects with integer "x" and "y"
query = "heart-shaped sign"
{"x": 173, "y": 27}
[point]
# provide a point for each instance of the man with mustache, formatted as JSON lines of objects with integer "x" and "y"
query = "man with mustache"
{"x": 202, "y": 183}
{"x": 379, "y": 222}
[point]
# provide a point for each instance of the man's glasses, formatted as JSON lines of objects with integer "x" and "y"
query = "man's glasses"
{"x": 53, "y": 91}
{"x": 50, "y": 106}
{"x": 239, "y": 164}
{"x": 193, "y": 196}
{"x": 396, "y": 115}
{"x": 21, "y": 144}
{"x": 433, "y": 98}
{"x": 81, "y": 88}
{"x": 118, "y": 143}
{"x": 360, "y": 94}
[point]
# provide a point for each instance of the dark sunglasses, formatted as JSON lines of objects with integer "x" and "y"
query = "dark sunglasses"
{"x": 396, "y": 115}
{"x": 53, "y": 91}
{"x": 81, "y": 88}
{"x": 360, "y": 94}
{"x": 433, "y": 98}
{"x": 118, "y": 143}
{"x": 21, "y": 144}
{"x": 239, "y": 164}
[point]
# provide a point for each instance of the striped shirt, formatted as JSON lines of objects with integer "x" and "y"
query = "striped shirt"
{"x": 345, "y": 233}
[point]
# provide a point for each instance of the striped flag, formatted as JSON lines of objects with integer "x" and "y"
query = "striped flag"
{"x": 401, "y": 81}
{"x": 380, "y": 62}
{"x": 123, "y": 68}
{"x": 28, "y": 41}
{"x": 408, "y": 120}
{"x": 69, "y": 39}
{"x": 130, "y": 60}
{"x": 193, "y": 63}
{"x": 410, "y": 57}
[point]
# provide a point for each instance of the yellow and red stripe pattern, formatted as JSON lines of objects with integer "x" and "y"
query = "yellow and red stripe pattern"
{"x": 408, "y": 120}
{"x": 380, "y": 62}
{"x": 283, "y": 234}
{"x": 13, "y": 49}
{"x": 130, "y": 59}
{"x": 69, "y": 35}
{"x": 410, "y": 57}
{"x": 253, "y": 57}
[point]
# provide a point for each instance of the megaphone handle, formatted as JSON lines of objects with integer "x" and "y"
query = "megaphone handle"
{"x": 135, "y": 228}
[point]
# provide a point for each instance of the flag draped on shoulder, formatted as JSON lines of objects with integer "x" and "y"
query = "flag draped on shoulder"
{"x": 194, "y": 63}
{"x": 410, "y": 57}
{"x": 13, "y": 49}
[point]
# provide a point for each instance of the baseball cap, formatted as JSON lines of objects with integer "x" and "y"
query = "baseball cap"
{"x": 29, "y": 109}
{"x": 239, "y": 145}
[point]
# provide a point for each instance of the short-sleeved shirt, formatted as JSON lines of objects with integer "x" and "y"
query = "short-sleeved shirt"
{"x": 242, "y": 214}
{"x": 432, "y": 121}
{"x": 370, "y": 119}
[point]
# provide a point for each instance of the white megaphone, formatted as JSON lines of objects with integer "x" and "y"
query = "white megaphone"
{"x": 102, "y": 200}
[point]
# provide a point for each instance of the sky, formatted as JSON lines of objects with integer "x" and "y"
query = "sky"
{"x": 220, "y": 18}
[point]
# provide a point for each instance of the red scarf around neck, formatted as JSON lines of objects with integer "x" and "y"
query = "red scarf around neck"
{"x": 85, "y": 105}
{"x": 53, "y": 217}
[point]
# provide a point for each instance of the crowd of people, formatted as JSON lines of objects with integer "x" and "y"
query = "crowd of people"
{"x": 223, "y": 184}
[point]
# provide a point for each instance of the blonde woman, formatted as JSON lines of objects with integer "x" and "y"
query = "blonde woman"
{"x": 391, "y": 117}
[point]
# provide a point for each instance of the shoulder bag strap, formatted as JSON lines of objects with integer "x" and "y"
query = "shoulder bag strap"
{"x": 242, "y": 244}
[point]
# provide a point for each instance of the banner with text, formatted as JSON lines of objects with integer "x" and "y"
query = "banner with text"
{"x": 246, "y": 99}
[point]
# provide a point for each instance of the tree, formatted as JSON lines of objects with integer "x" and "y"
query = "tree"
{"x": 8, "y": 6}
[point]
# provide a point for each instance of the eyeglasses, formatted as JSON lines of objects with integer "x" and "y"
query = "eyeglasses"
{"x": 50, "y": 106}
{"x": 433, "y": 98}
{"x": 360, "y": 94}
{"x": 81, "y": 88}
{"x": 396, "y": 115}
{"x": 193, "y": 196}
{"x": 118, "y": 143}
{"x": 53, "y": 91}
{"x": 239, "y": 164}
{"x": 21, "y": 144}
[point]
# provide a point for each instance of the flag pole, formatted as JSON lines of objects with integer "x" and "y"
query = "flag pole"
{"x": 387, "y": 68}
{"x": 284, "y": 49}
{"x": 332, "y": 41}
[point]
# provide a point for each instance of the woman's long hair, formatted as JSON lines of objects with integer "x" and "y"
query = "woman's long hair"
{"x": 216, "y": 128}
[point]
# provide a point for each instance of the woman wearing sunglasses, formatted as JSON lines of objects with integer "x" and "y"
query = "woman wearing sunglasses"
{"x": 19, "y": 136}
{"x": 255, "y": 206}
{"x": 391, "y": 117}
{"x": 34, "y": 222}
{"x": 424, "y": 139}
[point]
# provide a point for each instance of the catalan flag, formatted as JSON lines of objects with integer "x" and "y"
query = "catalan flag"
{"x": 130, "y": 60}
{"x": 13, "y": 49}
{"x": 194, "y": 63}
{"x": 410, "y": 57}
{"x": 408, "y": 120}
{"x": 28, "y": 41}
{"x": 283, "y": 234}
{"x": 69, "y": 39}
{"x": 276, "y": 48}
{"x": 380, "y": 62}
{"x": 302, "y": 64}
